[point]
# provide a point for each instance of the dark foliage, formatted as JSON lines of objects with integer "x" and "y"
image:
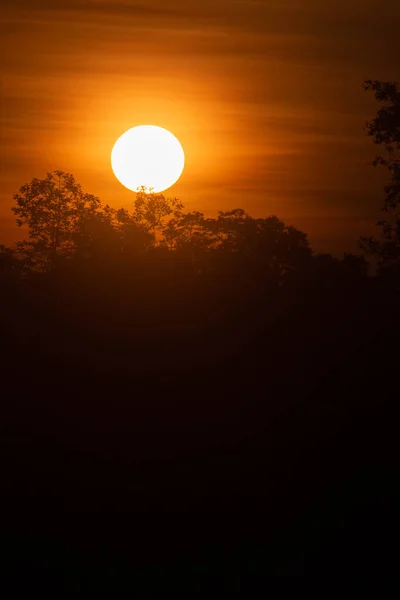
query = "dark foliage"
{"x": 385, "y": 132}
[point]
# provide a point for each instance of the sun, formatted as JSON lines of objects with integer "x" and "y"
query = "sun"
{"x": 147, "y": 156}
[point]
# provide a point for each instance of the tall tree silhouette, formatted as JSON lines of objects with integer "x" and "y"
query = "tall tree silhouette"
{"x": 385, "y": 132}
{"x": 57, "y": 212}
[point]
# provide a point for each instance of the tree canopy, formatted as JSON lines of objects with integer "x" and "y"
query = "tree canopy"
{"x": 64, "y": 222}
{"x": 58, "y": 215}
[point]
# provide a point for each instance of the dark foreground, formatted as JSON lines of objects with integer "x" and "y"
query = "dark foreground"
{"x": 209, "y": 459}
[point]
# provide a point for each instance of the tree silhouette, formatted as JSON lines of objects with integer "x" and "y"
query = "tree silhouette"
{"x": 151, "y": 209}
{"x": 57, "y": 213}
{"x": 188, "y": 233}
{"x": 136, "y": 237}
{"x": 263, "y": 248}
{"x": 97, "y": 235}
{"x": 385, "y": 132}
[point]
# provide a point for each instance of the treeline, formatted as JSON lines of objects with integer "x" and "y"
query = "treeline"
{"x": 67, "y": 227}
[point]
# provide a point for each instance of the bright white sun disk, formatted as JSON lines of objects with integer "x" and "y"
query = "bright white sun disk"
{"x": 147, "y": 156}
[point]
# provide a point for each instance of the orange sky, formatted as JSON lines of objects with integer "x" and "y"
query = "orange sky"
{"x": 265, "y": 97}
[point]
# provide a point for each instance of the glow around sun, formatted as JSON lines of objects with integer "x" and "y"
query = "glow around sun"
{"x": 147, "y": 156}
